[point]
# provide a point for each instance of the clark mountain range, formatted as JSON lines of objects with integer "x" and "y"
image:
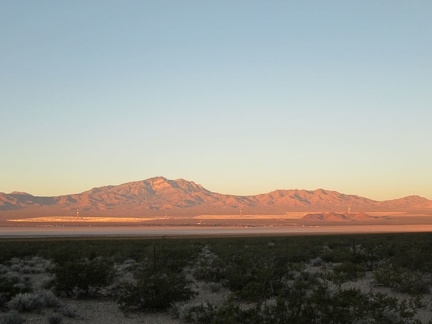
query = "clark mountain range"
{"x": 159, "y": 196}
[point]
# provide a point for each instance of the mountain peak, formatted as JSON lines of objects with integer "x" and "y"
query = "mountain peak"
{"x": 159, "y": 183}
{"x": 156, "y": 179}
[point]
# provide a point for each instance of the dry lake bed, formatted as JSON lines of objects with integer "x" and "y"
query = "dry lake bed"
{"x": 207, "y": 225}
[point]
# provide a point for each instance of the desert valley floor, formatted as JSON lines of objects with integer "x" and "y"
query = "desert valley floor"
{"x": 211, "y": 225}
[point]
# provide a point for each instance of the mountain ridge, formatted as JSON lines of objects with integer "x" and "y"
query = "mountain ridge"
{"x": 159, "y": 194}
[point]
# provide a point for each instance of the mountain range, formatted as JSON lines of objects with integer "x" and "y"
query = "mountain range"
{"x": 160, "y": 196}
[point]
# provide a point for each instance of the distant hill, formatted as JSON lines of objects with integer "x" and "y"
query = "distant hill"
{"x": 337, "y": 217}
{"x": 160, "y": 196}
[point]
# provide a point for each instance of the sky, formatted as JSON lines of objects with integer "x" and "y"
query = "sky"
{"x": 242, "y": 97}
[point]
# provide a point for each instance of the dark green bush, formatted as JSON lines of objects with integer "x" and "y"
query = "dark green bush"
{"x": 83, "y": 278}
{"x": 154, "y": 292}
{"x": 210, "y": 270}
{"x": 346, "y": 271}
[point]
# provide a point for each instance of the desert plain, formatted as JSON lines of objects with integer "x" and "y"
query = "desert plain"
{"x": 295, "y": 223}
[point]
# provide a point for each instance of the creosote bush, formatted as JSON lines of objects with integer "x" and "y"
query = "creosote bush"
{"x": 346, "y": 271}
{"x": 28, "y": 302}
{"x": 155, "y": 292}
{"x": 403, "y": 280}
{"x": 83, "y": 278}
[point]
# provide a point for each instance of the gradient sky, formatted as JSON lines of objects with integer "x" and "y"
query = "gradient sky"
{"x": 243, "y": 97}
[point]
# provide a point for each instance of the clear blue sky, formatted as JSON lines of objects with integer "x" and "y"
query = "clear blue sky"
{"x": 243, "y": 97}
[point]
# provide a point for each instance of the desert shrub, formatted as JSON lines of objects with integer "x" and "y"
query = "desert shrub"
{"x": 3, "y": 269}
{"x": 27, "y": 269}
{"x": 154, "y": 292}
{"x": 8, "y": 289}
{"x": 209, "y": 268}
{"x": 167, "y": 256}
{"x": 203, "y": 313}
{"x": 215, "y": 286}
{"x": 343, "y": 306}
{"x": 336, "y": 253}
{"x": 28, "y": 302}
{"x": 49, "y": 299}
{"x": 16, "y": 268}
{"x": 414, "y": 256}
{"x": 254, "y": 279}
{"x": 264, "y": 283}
{"x": 3, "y": 302}
{"x": 346, "y": 271}
{"x": 11, "y": 317}
{"x": 55, "y": 320}
{"x": 253, "y": 291}
{"x": 36, "y": 265}
{"x": 68, "y": 311}
{"x": 403, "y": 280}
{"x": 227, "y": 313}
{"x": 46, "y": 283}
{"x": 82, "y": 278}
{"x": 317, "y": 262}
{"x": 13, "y": 277}
{"x": 308, "y": 300}
{"x": 29, "y": 265}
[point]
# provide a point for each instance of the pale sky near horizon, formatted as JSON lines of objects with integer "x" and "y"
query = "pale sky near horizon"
{"x": 243, "y": 97}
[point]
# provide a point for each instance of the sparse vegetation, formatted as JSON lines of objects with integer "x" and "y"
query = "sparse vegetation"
{"x": 279, "y": 279}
